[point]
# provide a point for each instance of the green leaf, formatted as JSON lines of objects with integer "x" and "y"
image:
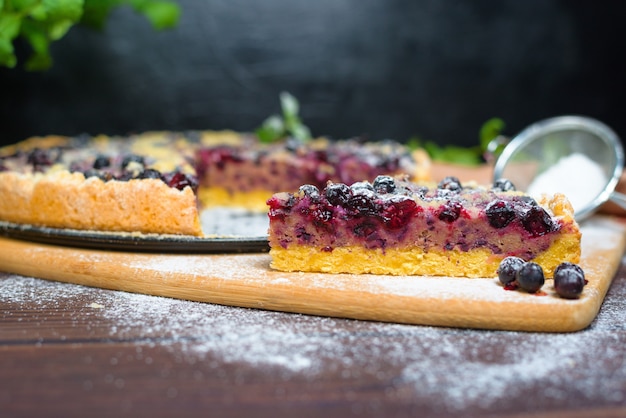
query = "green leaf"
{"x": 10, "y": 26}
{"x": 470, "y": 156}
{"x": 58, "y": 29}
{"x": 300, "y": 132}
{"x": 272, "y": 129}
{"x": 96, "y": 12}
{"x": 490, "y": 130}
{"x": 162, "y": 14}
{"x": 64, "y": 9}
{"x": 275, "y": 127}
{"x": 39, "y": 61}
{"x": 21, "y": 5}
{"x": 289, "y": 105}
{"x": 35, "y": 33}
{"x": 7, "y": 56}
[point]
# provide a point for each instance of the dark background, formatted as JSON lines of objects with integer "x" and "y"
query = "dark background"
{"x": 437, "y": 69}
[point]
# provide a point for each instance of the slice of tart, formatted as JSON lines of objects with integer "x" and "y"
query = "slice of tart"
{"x": 396, "y": 227}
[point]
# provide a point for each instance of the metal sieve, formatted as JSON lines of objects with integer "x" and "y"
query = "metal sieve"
{"x": 540, "y": 147}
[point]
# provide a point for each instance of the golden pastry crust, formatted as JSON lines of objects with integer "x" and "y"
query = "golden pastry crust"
{"x": 68, "y": 200}
{"x": 414, "y": 261}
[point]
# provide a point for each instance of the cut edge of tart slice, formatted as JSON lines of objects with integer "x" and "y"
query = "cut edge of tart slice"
{"x": 396, "y": 227}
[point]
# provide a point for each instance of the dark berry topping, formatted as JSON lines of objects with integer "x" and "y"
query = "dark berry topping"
{"x": 529, "y": 277}
{"x": 337, "y": 194}
{"x": 43, "y": 157}
{"x": 499, "y": 213}
{"x": 537, "y": 221}
{"x": 450, "y": 183}
{"x": 397, "y": 213}
{"x": 311, "y": 191}
{"x": 322, "y": 214}
{"x": 125, "y": 176}
{"x": 450, "y": 211}
{"x": 150, "y": 173}
{"x": 218, "y": 156}
{"x": 362, "y": 203}
{"x": 527, "y": 200}
{"x": 569, "y": 280}
{"x": 503, "y": 185}
{"x": 95, "y": 173}
{"x": 132, "y": 158}
{"x": 362, "y": 185}
{"x": 101, "y": 161}
{"x": 180, "y": 180}
{"x": 384, "y": 184}
{"x": 508, "y": 268}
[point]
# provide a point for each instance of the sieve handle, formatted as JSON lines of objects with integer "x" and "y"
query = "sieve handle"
{"x": 619, "y": 199}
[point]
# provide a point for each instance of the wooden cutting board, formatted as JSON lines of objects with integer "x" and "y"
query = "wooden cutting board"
{"x": 246, "y": 280}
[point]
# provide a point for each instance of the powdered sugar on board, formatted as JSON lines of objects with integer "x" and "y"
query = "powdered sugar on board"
{"x": 233, "y": 222}
{"x": 453, "y": 368}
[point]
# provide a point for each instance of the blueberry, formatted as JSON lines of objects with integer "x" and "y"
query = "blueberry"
{"x": 178, "y": 180}
{"x": 537, "y": 221}
{"x": 450, "y": 211}
{"x": 363, "y": 203}
{"x": 450, "y": 183}
{"x": 310, "y": 190}
{"x": 569, "y": 280}
{"x": 384, "y": 184}
{"x": 499, "y": 213}
{"x": 150, "y": 173}
{"x": 337, "y": 194}
{"x": 101, "y": 161}
{"x": 43, "y": 157}
{"x": 360, "y": 186}
{"x": 132, "y": 158}
{"x": 508, "y": 268}
{"x": 526, "y": 201}
{"x": 503, "y": 185}
{"x": 94, "y": 173}
{"x": 529, "y": 277}
{"x": 397, "y": 213}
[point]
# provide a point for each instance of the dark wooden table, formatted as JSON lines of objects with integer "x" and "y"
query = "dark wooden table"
{"x": 68, "y": 350}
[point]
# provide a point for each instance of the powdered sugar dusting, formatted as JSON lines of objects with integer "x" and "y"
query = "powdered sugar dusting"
{"x": 577, "y": 176}
{"x": 234, "y": 222}
{"x": 455, "y": 368}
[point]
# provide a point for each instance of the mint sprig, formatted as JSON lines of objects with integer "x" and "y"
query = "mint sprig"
{"x": 42, "y": 22}
{"x": 471, "y": 156}
{"x": 288, "y": 124}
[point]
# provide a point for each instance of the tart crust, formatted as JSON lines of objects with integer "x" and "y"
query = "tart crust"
{"x": 414, "y": 261}
{"x": 68, "y": 200}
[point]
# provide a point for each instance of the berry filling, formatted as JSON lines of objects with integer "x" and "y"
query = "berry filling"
{"x": 287, "y": 165}
{"x": 124, "y": 167}
{"x": 392, "y": 212}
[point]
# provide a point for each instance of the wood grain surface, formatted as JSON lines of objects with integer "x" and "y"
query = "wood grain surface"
{"x": 246, "y": 280}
